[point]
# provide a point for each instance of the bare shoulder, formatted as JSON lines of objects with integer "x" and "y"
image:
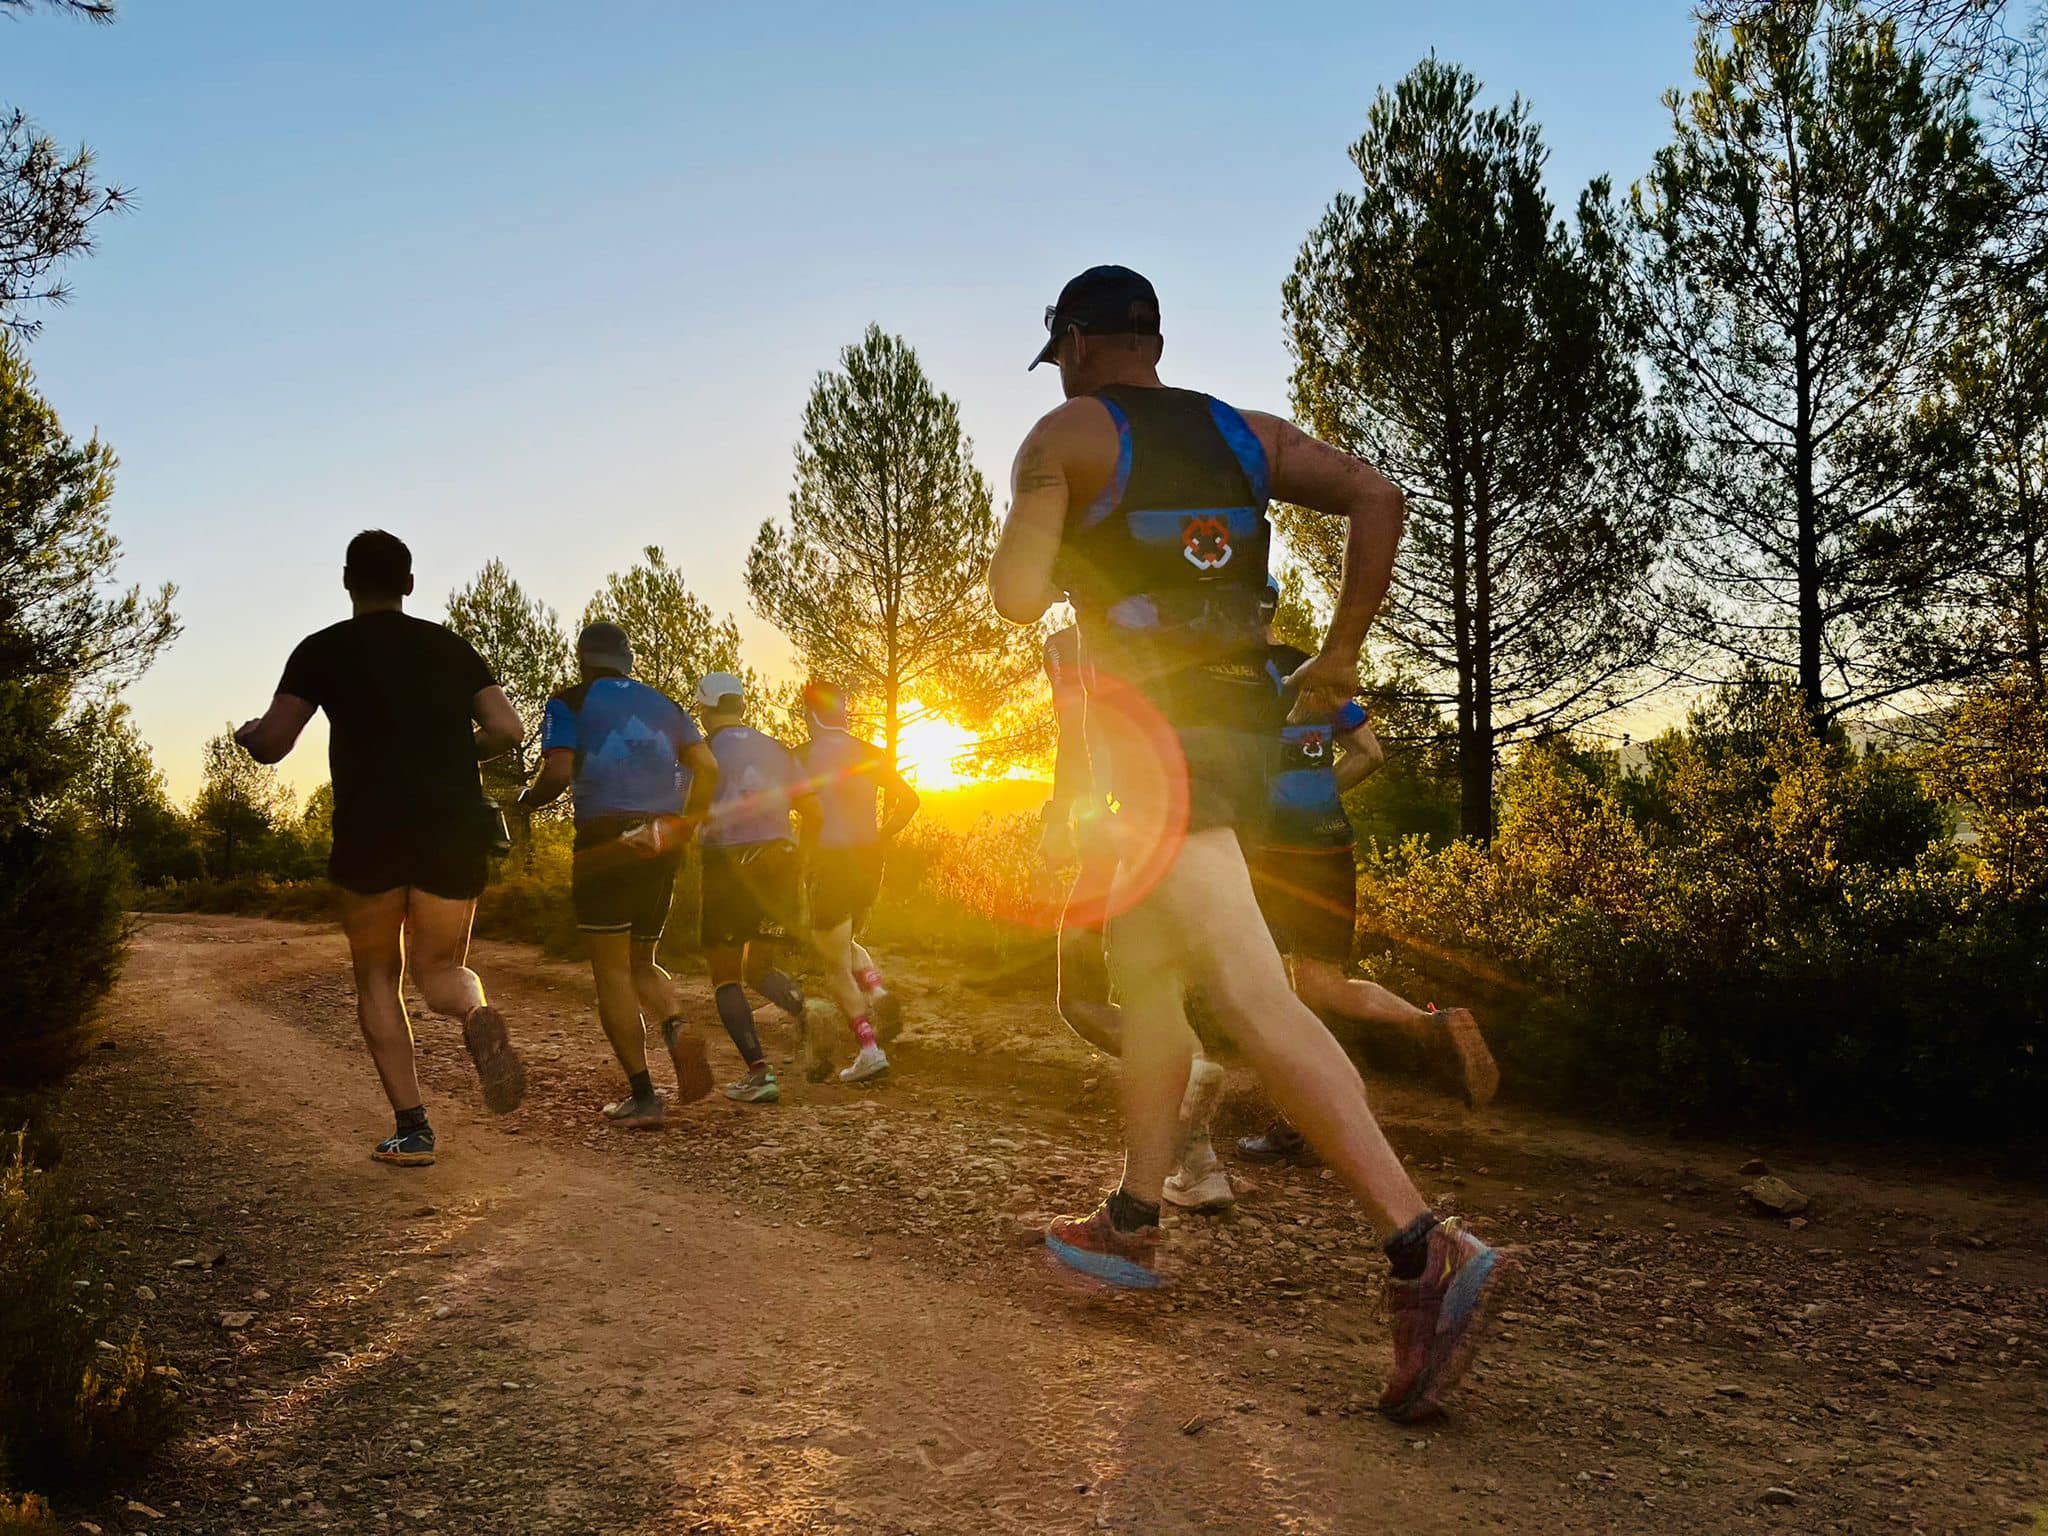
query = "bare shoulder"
{"x": 1073, "y": 431}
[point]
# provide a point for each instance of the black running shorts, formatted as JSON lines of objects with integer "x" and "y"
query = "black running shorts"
{"x": 616, "y": 890}
{"x": 844, "y": 884}
{"x": 449, "y": 860}
{"x": 750, "y": 892}
{"x": 1309, "y": 898}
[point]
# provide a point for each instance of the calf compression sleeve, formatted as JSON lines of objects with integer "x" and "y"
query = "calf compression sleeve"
{"x": 738, "y": 1020}
{"x": 784, "y": 993}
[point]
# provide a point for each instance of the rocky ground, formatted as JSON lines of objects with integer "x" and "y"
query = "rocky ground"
{"x": 827, "y": 1316}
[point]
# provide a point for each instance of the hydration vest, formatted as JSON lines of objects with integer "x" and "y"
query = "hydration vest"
{"x": 1166, "y": 568}
{"x": 1303, "y": 808}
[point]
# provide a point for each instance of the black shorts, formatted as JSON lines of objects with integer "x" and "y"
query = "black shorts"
{"x": 616, "y": 890}
{"x": 1222, "y": 722}
{"x": 750, "y": 892}
{"x": 1309, "y": 899}
{"x": 451, "y": 860}
{"x": 1226, "y": 777}
{"x": 844, "y": 884}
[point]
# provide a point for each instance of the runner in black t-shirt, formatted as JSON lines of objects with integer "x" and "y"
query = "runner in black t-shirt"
{"x": 411, "y": 709}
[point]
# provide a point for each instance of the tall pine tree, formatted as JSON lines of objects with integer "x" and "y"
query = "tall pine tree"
{"x": 1804, "y": 242}
{"x": 880, "y": 577}
{"x": 1448, "y": 327}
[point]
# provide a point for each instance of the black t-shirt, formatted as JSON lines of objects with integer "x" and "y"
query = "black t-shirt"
{"x": 397, "y": 691}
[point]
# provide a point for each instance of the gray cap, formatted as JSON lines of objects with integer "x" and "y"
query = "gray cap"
{"x": 604, "y": 646}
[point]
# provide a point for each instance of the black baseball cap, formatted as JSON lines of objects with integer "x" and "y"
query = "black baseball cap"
{"x": 1103, "y": 301}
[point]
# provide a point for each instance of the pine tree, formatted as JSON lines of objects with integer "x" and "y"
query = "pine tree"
{"x": 1448, "y": 327}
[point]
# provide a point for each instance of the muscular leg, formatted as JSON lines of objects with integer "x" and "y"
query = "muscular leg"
{"x": 1209, "y": 910}
{"x": 618, "y": 999}
{"x": 1325, "y": 988}
{"x": 835, "y": 952}
{"x": 654, "y": 986}
{"x": 375, "y": 926}
{"x": 1082, "y": 990}
{"x": 437, "y": 930}
{"x": 1158, "y": 1048}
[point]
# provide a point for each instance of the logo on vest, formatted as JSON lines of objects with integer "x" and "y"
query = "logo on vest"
{"x": 1206, "y": 543}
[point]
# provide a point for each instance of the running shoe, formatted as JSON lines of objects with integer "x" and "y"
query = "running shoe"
{"x": 1205, "y": 1193}
{"x": 813, "y": 1056}
{"x": 498, "y": 1067}
{"x": 411, "y": 1149}
{"x": 1438, "y": 1321}
{"x": 692, "y": 1064}
{"x": 755, "y": 1088}
{"x": 1277, "y": 1143}
{"x": 637, "y": 1114}
{"x": 1465, "y": 1058}
{"x": 868, "y": 1064}
{"x": 1093, "y": 1246}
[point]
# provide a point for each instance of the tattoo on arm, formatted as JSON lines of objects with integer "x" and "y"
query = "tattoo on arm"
{"x": 1034, "y": 474}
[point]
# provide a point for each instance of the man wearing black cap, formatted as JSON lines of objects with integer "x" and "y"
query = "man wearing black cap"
{"x": 411, "y": 710}
{"x": 1145, "y": 507}
{"x": 630, "y": 751}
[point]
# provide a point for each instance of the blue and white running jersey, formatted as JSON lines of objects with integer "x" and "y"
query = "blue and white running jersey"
{"x": 629, "y": 741}
{"x": 758, "y": 784}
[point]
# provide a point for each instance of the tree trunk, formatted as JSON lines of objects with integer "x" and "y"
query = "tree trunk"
{"x": 1476, "y": 771}
{"x": 1806, "y": 508}
{"x": 1475, "y": 767}
{"x": 2030, "y": 572}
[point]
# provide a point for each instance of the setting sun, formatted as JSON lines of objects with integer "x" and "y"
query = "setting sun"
{"x": 932, "y": 753}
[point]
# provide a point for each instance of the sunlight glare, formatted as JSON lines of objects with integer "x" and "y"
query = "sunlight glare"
{"x": 932, "y": 752}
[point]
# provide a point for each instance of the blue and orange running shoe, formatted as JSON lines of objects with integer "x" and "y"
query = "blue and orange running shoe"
{"x": 1095, "y": 1247}
{"x": 1439, "y": 1321}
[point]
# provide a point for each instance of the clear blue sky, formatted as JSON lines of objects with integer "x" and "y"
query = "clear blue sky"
{"x": 550, "y": 282}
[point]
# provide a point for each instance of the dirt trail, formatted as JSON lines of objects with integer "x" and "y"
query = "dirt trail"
{"x": 821, "y": 1317}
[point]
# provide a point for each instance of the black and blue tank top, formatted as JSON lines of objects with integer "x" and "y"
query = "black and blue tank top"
{"x": 1167, "y": 566}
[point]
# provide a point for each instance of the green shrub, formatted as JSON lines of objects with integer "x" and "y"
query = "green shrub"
{"x": 73, "y": 1416}
{"x": 61, "y": 931}
{"x": 1762, "y": 925}
{"x": 980, "y": 896}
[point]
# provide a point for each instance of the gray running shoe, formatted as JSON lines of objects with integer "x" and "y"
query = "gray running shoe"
{"x": 755, "y": 1088}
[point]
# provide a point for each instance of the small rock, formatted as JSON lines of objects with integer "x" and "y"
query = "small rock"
{"x": 1778, "y": 1496}
{"x": 1773, "y": 1194}
{"x": 234, "y": 1320}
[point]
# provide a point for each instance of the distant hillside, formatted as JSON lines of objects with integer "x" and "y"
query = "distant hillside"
{"x": 959, "y": 809}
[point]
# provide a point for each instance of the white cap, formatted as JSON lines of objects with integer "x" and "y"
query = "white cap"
{"x": 713, "y": 688}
